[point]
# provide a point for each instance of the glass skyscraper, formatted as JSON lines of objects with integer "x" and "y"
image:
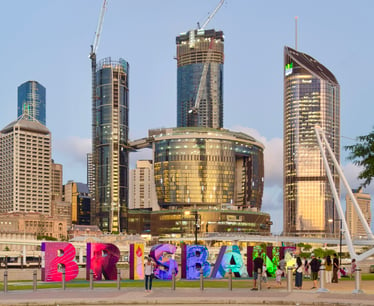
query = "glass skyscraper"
{"x": 31, "y": 101}
{"x": 311, "y": 97}
{"x": 194, "y": 49}
{"x": 111, "y": 145}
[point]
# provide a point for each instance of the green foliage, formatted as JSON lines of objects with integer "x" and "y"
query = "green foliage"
{"x": 48, "y": 238}
{"x": 6, "y": 249}
{"x": 362, "y": 154}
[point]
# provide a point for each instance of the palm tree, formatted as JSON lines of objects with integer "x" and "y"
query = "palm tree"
{"x": 362, "y": 154}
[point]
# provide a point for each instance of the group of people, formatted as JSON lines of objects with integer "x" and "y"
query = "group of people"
{"x": 307, "y": 268}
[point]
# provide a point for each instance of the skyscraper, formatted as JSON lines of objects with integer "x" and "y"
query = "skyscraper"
{"x": 142, "y": 188}
{"x": 31, "y": 101}
{"x": 200, "y": 56}
{"x": 311, "y": 97}
{"x": 111, "y": 145}
{"x": 355, "y": 226}
{"x": 25, "y": 167}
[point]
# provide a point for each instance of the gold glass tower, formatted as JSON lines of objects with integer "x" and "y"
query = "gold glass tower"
{"x": 311, "y": 97}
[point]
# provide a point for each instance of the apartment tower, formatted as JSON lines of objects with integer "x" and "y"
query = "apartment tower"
{"x": 25, "y": 167}
{"x": 311, "y": 97}
{"x": 111, "y": 145}
{"x": 31, "y": 101}
{"x": 200, "y": 57}
{"x": 355, "y": 226}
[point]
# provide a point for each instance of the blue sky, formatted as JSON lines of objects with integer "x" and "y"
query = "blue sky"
{"x": 49, "y": 41}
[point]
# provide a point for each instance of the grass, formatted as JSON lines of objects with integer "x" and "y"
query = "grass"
{"x": 221, "y": 283}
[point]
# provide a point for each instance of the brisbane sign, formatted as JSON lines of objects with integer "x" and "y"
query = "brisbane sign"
{"x": 102, "y": 258}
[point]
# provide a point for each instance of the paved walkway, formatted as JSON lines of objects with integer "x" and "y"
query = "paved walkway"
{"x": 339, "y": 294}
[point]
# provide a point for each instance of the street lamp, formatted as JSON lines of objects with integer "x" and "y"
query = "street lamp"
{"x": 340, "y": 238}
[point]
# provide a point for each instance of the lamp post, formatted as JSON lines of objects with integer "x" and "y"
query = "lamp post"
{"x": 340, "y": 238}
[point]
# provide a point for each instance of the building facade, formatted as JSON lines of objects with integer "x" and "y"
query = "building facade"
{"x": 33, "y": 223}
{"x": 142, "y": 189}
{"x": 355, "y": 226}
{"x": 111, "y": 145}
{"x": 25, "y": 167}
{"x": 56, "y": 182}
{"x": 31, "y": 101}
{"x": 311, "y": 97}
{"x": 90, "y": 173}
{"x": 207, "y": 168}
{"x": 200, "y": 57}
{"x": 77, "y": 194}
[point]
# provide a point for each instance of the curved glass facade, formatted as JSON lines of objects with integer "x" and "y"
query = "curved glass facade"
{"x": 111, "y": 144}
{"x": 207, "y": 168}
{"x": 194, "y": 49}
{"x": 311, "y": 97}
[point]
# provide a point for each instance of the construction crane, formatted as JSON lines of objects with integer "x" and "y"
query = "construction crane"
{"x": 192, "y": 115}
{"x": 92, "y": 56}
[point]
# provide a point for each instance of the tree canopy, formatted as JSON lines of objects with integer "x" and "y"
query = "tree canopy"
{"x": 362, "y": 154}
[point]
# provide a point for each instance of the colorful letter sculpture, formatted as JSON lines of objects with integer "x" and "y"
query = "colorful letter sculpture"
{"x": 56, "y": 258}
{"x": 195, "y": 261}
{"x": 229, "y": 257}
{"x": 137, "y": 261}
{"x": 102, "y": 259}
{"x": 164, "y": 263}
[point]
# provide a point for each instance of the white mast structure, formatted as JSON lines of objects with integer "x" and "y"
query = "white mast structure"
{"x": 322, "y": 141}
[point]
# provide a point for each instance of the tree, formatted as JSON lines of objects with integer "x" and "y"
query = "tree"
{"x": 362, "y": 154}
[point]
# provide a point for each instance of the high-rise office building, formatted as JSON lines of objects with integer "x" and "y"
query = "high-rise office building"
{"x": 25, "y": 167}
{"x": 311, "y": 97}
{"x": 200, "y": 57}
{"x": 31, "y": 101}
{"x": 142, "y": 188}
{"x": 355, "y": 226}
{"x": 77, "y": 195}
{"x": 111, "y": 145}
{"x": 56, "y": 183}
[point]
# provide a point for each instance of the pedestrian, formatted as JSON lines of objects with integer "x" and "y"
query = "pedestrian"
{"x": 282, "y": 265}
{"x": 148, "y": 272}
{"x": 264, "y": 276}
{"x": 353, "y": 268}
{"x": 328, "y": 266}
{"x": 335, "y": 269}
{"x": 257, "y": 270}
{"x": 299, "y": 273}
{"x": 306, "y": 268}
{"x": 278, "y": 276}
{"x": 314, "y": 269}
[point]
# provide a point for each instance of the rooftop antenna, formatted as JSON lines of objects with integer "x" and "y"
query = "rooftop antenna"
{"x": 296, "y": 32}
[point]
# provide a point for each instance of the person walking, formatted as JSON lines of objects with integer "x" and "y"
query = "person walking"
{"x": 148, "y": 273}
{"x": 299, "y": 274}
{"x": 264, "y": 276}
{"x": 257, "y": 270}
{"x": 335, "y": 269}
{"x": 282, "y": 266}
{"x": 278, "y": 276}
{"x": 314, "y": 269}
{"x": 328, "y": 266}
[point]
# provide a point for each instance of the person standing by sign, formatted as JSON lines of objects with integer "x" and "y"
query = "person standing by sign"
{"x": 148, "y": 273}
{"x": 258, "y": 262}
{"x": 314, "y": 269}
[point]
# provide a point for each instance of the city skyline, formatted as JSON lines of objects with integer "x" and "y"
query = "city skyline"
{"x": 253, "y": 90}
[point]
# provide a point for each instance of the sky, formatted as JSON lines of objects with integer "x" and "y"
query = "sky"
{"x": 49, "y": 41}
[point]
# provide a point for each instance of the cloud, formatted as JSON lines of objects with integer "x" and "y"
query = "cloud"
{"x": 73, "y": 149}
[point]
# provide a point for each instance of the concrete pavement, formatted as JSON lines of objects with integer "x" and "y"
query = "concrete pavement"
{"x": 339, "y": 294}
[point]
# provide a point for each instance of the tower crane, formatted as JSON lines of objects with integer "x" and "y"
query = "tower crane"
{"x": 92, "y": 56}
{"x": 192, "y": 115}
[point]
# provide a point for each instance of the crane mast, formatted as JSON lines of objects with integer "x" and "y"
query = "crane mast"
{"x": 92, "y": 57}
{"x": 192, "y": 115}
